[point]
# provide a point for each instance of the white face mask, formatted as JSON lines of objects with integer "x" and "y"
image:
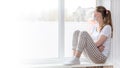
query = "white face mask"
{"x": 95, "y": 18}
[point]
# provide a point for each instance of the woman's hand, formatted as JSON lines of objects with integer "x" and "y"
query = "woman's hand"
{"x": 101, "y": 48}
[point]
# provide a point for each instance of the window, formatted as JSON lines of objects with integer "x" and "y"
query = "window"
{"x": 78, "y": 14}
{"x": 32, "y": 30}
{"x": 40, "y": 35}
{"x": 47, "y": 24}
{"x": 39, "y": 28}
{"x": 106, "y": 3}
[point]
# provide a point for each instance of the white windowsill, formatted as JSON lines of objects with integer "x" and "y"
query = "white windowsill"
{"x": 84, "y": 63}
{"x": 70, "y": 66}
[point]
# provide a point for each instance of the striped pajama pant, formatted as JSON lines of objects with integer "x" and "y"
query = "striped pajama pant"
{"x": 83, "y": 42}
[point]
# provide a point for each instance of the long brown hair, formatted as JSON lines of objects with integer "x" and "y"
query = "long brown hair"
{"x": 106, "y": 14}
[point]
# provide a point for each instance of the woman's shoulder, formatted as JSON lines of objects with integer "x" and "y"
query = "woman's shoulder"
{"x": 107, "y": 27}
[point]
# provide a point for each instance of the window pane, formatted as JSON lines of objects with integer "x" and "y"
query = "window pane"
{"x": 105, "y": 3}
{"x": 39, "y": 28}
{"x": 78, "y": 16}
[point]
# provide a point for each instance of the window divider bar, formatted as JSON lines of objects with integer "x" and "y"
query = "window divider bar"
{"x": 61, "y": 29}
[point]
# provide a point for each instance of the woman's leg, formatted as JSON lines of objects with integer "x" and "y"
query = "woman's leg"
{"x": 86, "y": 42}
{"x": 74, "y": 59}
{"x": 75, "y": 41}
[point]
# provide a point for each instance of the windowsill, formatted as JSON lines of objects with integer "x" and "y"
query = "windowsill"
{"x": 70, "y": 66}
{"x": 84, "y": 63}
{"x": 52, "y": 61}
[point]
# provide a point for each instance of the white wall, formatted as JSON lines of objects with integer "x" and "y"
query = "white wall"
{"x": 116, "y": 23}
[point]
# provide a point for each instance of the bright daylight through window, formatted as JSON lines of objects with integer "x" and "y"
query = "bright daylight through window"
{"x": 39, "y": 29}
{"x": 39, "y": 26}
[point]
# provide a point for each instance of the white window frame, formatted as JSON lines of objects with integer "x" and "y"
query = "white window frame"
{"x": 61, "y": 29}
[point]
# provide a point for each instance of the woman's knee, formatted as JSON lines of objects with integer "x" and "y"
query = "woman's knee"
{"x": 76, "y": 32}
{"x": 84, "y": 33}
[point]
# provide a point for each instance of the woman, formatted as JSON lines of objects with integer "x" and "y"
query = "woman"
{"x": 97, "y": 44}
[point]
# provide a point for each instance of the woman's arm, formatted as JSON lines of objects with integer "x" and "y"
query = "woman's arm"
{"x": 101, "y": 40}
{"x": 105, "y": 33}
